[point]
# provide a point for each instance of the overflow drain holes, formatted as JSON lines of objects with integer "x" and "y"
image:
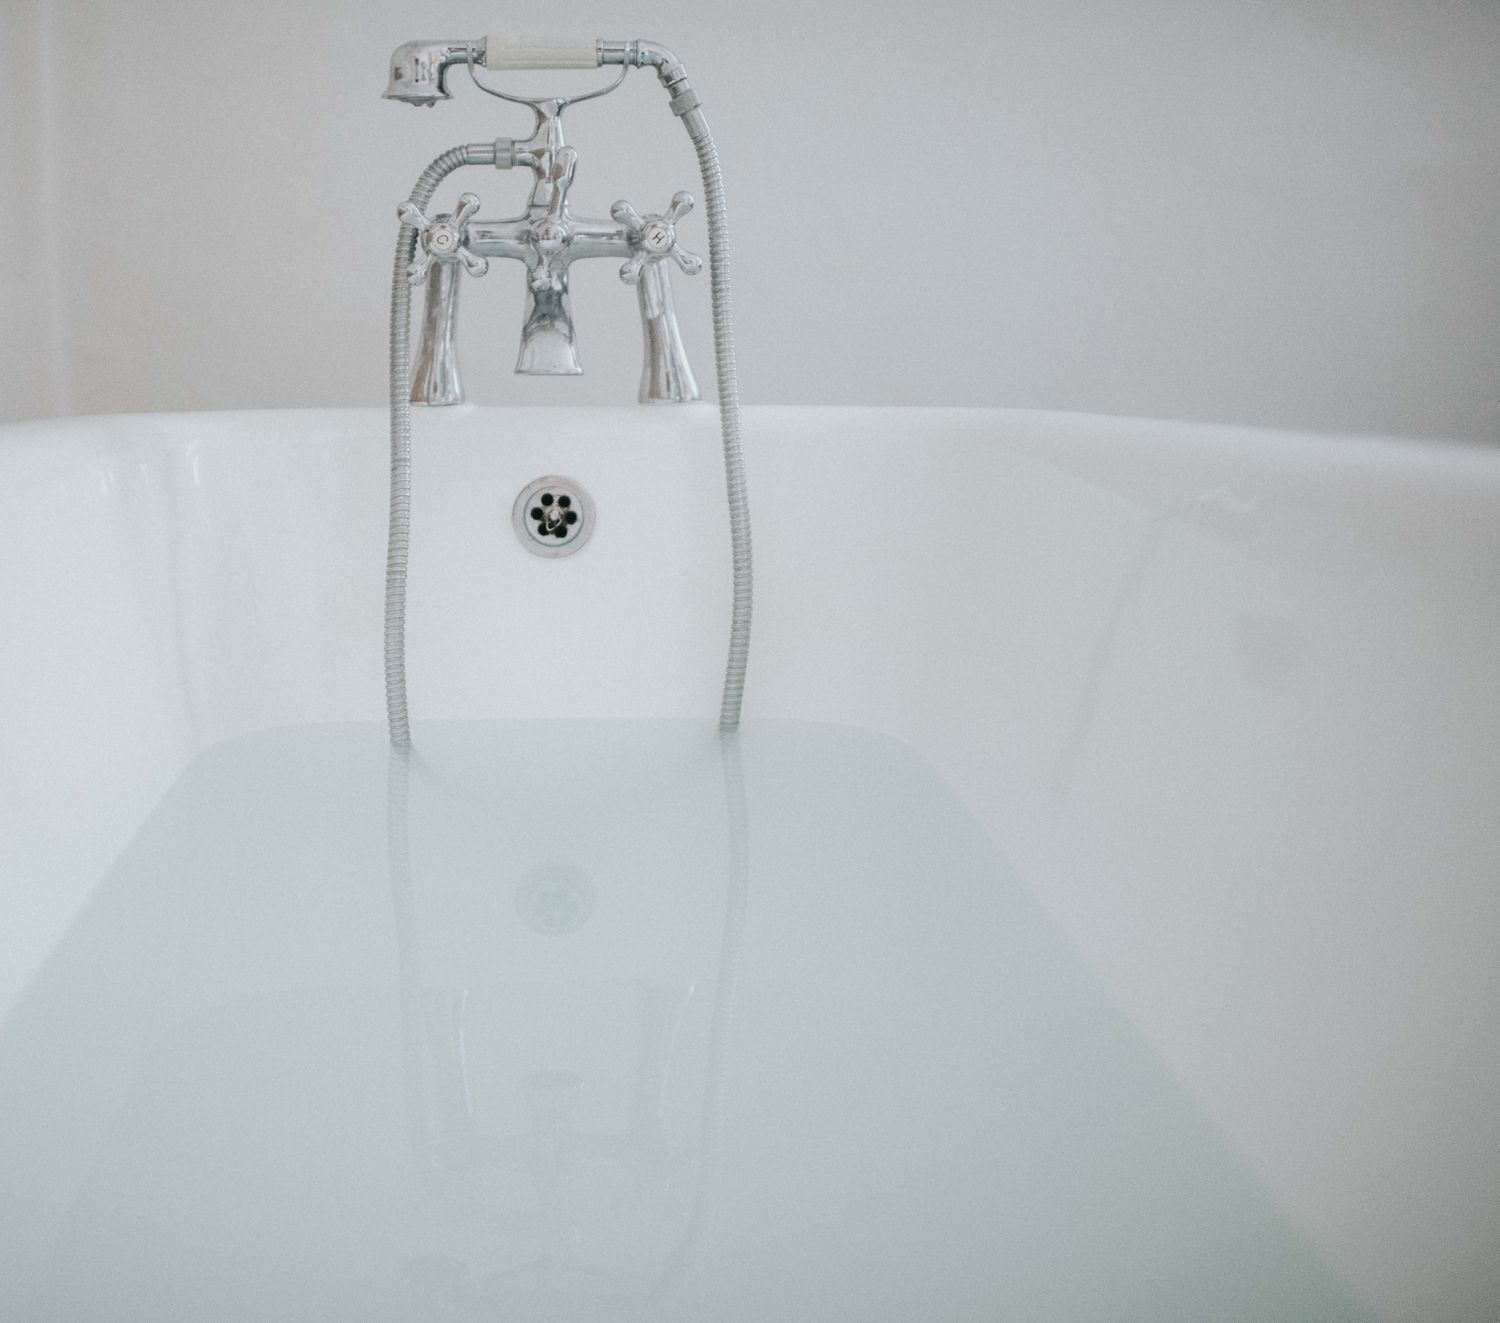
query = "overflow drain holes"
{"x": 553, "y": 516}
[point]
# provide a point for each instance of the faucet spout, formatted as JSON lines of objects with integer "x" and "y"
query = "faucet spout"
{"x": 547, "y": 348}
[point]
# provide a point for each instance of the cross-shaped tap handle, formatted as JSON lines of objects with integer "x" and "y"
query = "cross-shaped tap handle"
{"x": 441, "y": 239}
{"x": 654, "y": 238}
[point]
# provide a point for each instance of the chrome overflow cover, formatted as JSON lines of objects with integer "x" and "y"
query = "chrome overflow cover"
{"x": 553, "y": 516}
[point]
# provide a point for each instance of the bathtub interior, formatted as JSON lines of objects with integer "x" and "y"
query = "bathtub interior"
{"x": 1222, "y": 700}
{"x": 602, "y": 1045}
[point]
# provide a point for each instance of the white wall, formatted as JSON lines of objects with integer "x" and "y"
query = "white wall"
{"x": 1280, "y": 213}
{"x": 31, "y": 342}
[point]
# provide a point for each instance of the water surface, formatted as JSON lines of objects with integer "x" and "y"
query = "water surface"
{"x": 585, "y": 1020}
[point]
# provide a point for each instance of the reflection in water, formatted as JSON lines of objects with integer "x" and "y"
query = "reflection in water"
{"x": 549, "y": 1170}
{"x": 248, "y": 1087}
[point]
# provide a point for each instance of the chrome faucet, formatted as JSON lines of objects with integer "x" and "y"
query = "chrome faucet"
{"x": 547, "y": 237}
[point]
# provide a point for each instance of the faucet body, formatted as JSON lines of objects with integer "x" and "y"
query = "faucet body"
{"x": 547, "y": 238}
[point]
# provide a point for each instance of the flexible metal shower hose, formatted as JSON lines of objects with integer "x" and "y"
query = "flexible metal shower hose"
{"x": 729, "y": 419}
{"x": 399, "y": 540}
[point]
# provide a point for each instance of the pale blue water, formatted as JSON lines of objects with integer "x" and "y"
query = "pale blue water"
{"x": 633, "y": 1027}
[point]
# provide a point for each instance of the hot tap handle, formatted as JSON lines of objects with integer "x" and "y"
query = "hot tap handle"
{"x": 441, "y": 238}
{"x": 653, "y": 238}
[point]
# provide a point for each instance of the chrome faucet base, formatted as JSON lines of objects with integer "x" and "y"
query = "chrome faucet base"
{"x": 434, "y": 378}
{"x": 666, "y": 377}
{"x": 547, "y": 238}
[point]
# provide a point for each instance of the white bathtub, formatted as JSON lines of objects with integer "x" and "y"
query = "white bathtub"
{"x": 1225, "y": 700}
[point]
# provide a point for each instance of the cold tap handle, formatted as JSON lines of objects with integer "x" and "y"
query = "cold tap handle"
{"x": 410, "y": 215}
{"x": 441, "y": 238}
{"x": 474, "y": 265}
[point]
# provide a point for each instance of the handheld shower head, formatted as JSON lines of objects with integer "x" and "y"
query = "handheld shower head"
{"x": 419, "y": 69}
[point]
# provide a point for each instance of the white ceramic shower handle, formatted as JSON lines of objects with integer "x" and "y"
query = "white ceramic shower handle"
{"x": 540, "y": 53}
